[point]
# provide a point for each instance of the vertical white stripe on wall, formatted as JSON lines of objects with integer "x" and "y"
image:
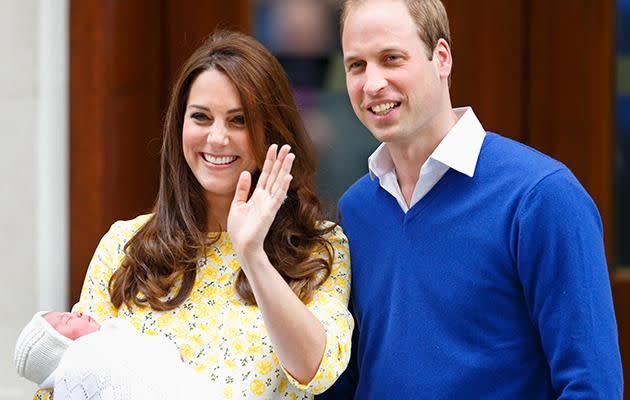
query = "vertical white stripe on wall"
{"x": 52, "y": 155}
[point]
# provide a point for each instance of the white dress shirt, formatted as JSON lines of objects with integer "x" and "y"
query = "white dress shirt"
{"x": 458, "y": 150}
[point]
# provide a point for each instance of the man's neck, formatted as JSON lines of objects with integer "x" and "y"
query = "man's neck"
{"x": 409, "y": 156}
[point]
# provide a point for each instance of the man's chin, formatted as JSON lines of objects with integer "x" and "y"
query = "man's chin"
{"x": 384, "y": 135}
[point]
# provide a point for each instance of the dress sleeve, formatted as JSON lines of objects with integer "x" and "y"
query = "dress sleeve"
{"x": 43, "y": 394}
{"x": 330, "y": 306}
{"x": 95, "y": 299}
{"x": 560, "y": 259}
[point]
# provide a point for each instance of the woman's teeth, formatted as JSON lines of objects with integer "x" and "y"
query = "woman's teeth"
{"x": 219, "y": 160}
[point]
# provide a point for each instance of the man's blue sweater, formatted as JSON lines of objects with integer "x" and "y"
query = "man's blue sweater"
{"x": 491, "y": 287}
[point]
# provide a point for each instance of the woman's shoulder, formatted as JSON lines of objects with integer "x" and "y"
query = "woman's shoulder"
{"x": 335, "y": 234}
{"x": 125, "y": 229}
{"x": 131, "y": 225}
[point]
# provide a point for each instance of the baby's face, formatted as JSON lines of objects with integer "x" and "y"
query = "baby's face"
{"x": 72, "y": 325}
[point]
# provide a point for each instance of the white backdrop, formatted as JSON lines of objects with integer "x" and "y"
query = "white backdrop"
{"x": 33, "y": 170}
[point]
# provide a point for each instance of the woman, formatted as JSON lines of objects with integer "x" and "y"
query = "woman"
{"x": 262, "y": 308}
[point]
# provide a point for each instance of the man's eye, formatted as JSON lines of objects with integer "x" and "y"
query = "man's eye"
{"x": 392, "y": 57}
{"x": 355, "y": 65}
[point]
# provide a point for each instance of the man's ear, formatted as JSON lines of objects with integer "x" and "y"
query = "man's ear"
{"x": 443, "y": 58}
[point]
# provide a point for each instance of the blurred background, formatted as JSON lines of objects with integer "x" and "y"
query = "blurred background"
{"x": 84, "y": 85}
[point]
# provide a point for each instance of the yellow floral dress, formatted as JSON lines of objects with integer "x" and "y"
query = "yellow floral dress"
{"x": 217, "y": 334}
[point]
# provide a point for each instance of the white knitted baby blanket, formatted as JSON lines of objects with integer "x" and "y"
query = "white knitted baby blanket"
{"x": 119, "y": 363}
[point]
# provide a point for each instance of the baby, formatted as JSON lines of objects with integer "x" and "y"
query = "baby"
{"x": 80, "y": 358}
{"x": 44, "y": 340}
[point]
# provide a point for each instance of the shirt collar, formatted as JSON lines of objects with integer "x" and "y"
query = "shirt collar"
{"x": 458, "y": 150}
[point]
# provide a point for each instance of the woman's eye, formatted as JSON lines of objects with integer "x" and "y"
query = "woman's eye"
{"x": 199, "y": 116}
{"x": 239, "y": 120}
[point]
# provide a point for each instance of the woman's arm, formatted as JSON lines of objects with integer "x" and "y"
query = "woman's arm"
{"x": 298, "y": 336}
{"x": 43, "y": 394}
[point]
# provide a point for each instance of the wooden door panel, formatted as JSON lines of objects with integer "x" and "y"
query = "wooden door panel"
{"x": 123, "y": 57}
{"x": 489, "y": 53}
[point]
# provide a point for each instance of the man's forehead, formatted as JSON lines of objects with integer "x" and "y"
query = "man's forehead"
{"x": 379, "y": 12}
{"x": 371, "y": 44}
{"x": 377, "y": 27}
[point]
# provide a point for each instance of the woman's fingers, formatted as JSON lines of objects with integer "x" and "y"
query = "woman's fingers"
{"x": 276, "y": 169}
{"x": 267, "y": 166}
{"x": 242, "y": 188}
{"x": 281, "y": 194}
{"x": 280, "y": 186}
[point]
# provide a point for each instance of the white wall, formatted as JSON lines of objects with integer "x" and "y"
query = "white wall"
{"x": 33, "y": 171}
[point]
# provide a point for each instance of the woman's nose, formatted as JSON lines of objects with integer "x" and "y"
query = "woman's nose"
{"x": 217, "y": 135}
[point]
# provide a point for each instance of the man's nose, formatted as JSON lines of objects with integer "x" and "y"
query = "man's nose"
{"x": 375, "y": 80}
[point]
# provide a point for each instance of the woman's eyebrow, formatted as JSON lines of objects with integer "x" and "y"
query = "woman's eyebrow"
{"x": 198, "y": 107}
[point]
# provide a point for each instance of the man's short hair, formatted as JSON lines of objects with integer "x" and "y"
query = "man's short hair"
{"x": 429, "y": 16}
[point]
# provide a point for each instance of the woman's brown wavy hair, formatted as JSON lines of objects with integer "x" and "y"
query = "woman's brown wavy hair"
{"x": 168, "y": 246}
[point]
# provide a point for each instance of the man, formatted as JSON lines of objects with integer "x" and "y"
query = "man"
{"x": 478, "y": 263}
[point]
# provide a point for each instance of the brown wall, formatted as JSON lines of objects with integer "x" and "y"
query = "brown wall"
{"x": 490, "y": 62}
{"x": 124, "y": 55}
{"x": 542, "y": 72}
